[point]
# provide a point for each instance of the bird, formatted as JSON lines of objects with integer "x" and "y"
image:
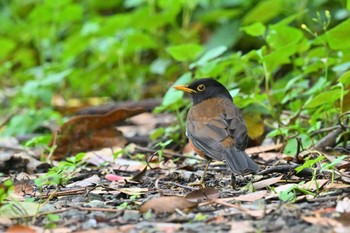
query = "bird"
{"x": 216, "y": 128}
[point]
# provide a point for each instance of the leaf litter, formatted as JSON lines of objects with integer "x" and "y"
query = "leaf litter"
{"x": 126, "y": 188}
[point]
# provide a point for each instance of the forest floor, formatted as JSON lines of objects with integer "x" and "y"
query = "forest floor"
{"x": 136, "y": 187}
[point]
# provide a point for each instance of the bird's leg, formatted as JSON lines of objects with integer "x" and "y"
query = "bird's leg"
{"x": 201, "y": 182}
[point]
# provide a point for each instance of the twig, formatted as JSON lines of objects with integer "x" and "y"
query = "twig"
{"x": 285, "y": 169}
{"x": 182, "y": 186}
{"x": 96, "y": 209}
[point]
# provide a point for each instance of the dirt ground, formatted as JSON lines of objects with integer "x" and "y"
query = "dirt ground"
{"x": 143, "y": 189}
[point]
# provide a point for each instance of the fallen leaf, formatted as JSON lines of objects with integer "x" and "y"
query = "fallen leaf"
{"x": 93, "y": 180}
{"x": 323, "y": 221}
{"x": 203, "y": 194}
{"x": 343, "y": 206}
{"x": 250, "y": 197}
{"x": 243, "y": 226}
{"x": 133, "y": 191}
{"x": 105, "y": 155}
{"x": 17, "y": 209}
{"x": 138, "y": 177}
{"x": 264, "y": 183}
{"x": 113, "y": 177}
{"x": 311, "y": 185}
{"x": 23, "y": 187}
{"x": 344, "y": 218}
{"x": 336, "y": 186}
{"x": 91, "y": 132}
{"x": 166, "y": 204}
{"x": 20, "y": 229}
{"x": 260, "y": 149}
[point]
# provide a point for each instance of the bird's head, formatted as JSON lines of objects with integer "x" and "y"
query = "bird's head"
{"x": 203, "y": 89}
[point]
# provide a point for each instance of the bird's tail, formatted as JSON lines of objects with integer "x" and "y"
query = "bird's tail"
{"x": 239, "y": 161}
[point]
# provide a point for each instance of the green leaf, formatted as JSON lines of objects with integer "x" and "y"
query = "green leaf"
{"x": 309, "y": 163}
{"x": 326, "y": 97}
{"x": 280, "y": 36}
{"x": 185, "y": 52}
{"x": 264, "y": 11}
{"x": 333, "y": 163}
{"x": 345, "y": 78}
{"x": 279, "y": 57}
{"x": 339, "y": 36}
{"x": 255, "y": 29}
{"x": 209, "y": 55}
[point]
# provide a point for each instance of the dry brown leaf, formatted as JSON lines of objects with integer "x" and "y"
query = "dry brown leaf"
{"x": 23, "y": 187}
{"x": 311, "y": 185}
{"x": 322, "y": 221}
{"x": 243, "y": 226}
{"x": 336, "y": 186}
{"x": 91, "y": 132}
{"x": 133, "y": 191}
{"x": 266, "y": 156}
{"x": 260, "y": 149}
{"x": 20, "y": 229}
{"x": 264, "y": 183}
{"x": 166, "y": 204}
{"x": 203, "y": 194}
{"x": 105, "y": 155}
{"x": 252, "y": 196}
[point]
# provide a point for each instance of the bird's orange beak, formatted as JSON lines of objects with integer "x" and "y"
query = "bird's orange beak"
{"x": 184, "y": 88}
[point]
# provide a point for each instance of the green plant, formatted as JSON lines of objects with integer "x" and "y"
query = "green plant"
{"x": 62, "y": 173}
{"x": 5, "y": 188}
{"x": 51, "y": 221}
{"x": 290, "y": 194}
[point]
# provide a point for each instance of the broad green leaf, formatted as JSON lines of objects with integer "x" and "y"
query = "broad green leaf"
{"x": 209, "y": 55}
{"x": 280, "y": 36}
{"x": 339, "y": 36}
{"x": 327, "y": 97}
{"x": 225, "y": 35}
{"x": 345, "y": 78}
{"x": 279, "y": 57}
{"x": 264, "y": 11}
{"x": 255, "y": 29}
{"x": 185, "y": 52}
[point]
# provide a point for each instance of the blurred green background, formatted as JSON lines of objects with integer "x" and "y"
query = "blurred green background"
{"x": 281, "y": 59}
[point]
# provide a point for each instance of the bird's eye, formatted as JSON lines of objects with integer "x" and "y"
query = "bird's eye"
{"x": 201, "y": 87}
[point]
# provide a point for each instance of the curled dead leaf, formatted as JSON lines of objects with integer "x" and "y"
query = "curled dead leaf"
{"x": 91, "y": 132}
{"x": 203, "y": 194}
{"x": 166, "y": 204}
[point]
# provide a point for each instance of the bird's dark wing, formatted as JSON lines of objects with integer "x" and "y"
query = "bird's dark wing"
{"x": 221, "y": 135}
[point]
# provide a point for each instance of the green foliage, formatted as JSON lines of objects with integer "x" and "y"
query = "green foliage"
{"x": 62, "y": 173}
{"x": 5, "y": 188}
{"x": 275, "y": 56}
{"x": 51, "y": 221}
